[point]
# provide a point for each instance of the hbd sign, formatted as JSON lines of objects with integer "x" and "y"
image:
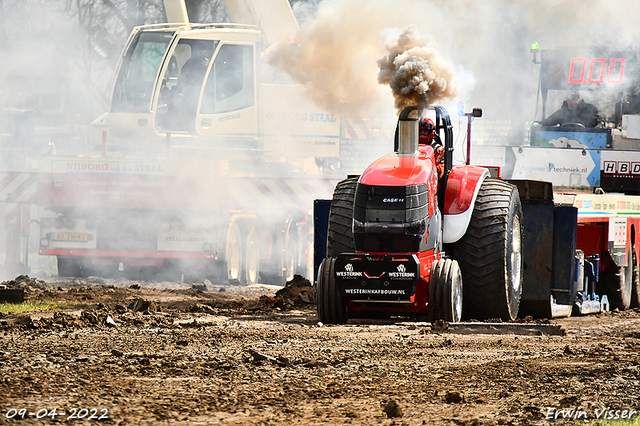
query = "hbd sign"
{"x": 621, "y": 168}
{"x": 620, "y": 172}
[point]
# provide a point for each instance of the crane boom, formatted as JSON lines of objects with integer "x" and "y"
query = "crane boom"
{"x": 274, "y": 18}
{"x": 176, "y": 11}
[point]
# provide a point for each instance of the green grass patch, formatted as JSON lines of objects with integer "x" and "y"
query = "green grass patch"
{"x": 40, "y": 305}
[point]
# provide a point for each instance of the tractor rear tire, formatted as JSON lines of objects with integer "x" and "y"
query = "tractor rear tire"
{"x": 490, "y": 254}
{"x": 340, "y": 233}
{"x": 331, "y": 305}
{"x": 445, "y": 291}
{"x": 618, "y": 285}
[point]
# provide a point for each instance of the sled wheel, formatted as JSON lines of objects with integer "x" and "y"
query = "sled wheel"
{"x": 331, "y": 306}
{"x": 340, "y": 233}
{"x": 490, "y": 253}
{"x": 635, "y": 292}
{"x": 445, "y": 291}
{"x": 251, "y": 258}
{"x": 234, "y": 254}
{"x": 617, "y": 284}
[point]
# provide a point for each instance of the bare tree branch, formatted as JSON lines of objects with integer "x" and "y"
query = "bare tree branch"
{"x": 126, "y": 22}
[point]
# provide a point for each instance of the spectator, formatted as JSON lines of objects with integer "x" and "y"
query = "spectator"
{"x": 574, "y": 110}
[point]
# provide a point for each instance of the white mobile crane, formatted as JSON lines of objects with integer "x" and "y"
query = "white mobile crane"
{"x": 208, "y": 160}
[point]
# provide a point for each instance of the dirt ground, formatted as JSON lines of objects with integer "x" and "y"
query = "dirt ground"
{"x": 155, "y": 353}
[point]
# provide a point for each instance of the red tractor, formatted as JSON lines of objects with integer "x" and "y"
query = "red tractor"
{"x": 415, "y": 234}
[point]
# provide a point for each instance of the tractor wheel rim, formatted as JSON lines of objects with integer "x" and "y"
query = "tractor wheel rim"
{"x": 516, "y": 255}
{"x": 457, "y": 296}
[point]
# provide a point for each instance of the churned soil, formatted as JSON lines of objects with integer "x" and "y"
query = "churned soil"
{"x": 156, "y": 353}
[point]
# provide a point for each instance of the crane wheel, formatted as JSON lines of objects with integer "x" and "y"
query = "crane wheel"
{"x": 291, "y": 252}
{"x": 331, "y": 305}
{"x": 233, "y": 253}
{"x": 251, "y": 271}
{"x": 490, "y": 253}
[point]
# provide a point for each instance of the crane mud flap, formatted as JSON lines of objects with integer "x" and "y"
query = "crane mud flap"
{"x": 387, "y": 278}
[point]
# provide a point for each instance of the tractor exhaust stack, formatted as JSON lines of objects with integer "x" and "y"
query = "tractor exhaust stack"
{"x": 408, "y": 132}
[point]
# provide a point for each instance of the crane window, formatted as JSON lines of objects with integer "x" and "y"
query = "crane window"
{"x": 230, "y": 85}
{"x": 138, "y": 72}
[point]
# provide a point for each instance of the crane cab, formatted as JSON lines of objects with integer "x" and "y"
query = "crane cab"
{"x": 185, "y": 80}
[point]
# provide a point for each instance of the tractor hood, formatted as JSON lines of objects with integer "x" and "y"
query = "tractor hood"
{"x": 400, "y": 170}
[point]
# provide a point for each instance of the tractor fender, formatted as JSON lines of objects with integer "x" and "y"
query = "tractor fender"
{"x": 463, "y": 184}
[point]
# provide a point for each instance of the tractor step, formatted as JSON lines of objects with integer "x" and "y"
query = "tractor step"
{"x": 584, "y": 307}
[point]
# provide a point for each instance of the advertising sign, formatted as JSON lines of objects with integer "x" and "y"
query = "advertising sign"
{"x": 567, "y": 167}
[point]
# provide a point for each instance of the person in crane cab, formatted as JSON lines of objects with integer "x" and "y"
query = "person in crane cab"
{"x": 187, "y": 90}
{"x": 428, "y": 136}
{"x": 574, "y": 111}
{"x": 193, "y": 70}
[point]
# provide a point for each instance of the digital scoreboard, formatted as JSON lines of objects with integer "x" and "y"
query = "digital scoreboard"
{"x": 587, "y": 69}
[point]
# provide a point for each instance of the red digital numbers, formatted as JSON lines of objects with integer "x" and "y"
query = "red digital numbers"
{"x": 596, "y": 70}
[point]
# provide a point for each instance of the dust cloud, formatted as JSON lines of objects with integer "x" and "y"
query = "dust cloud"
{"x": 337, "y": 54}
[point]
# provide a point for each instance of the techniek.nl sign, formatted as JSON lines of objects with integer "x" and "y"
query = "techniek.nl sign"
{"x": 561, "y": 167}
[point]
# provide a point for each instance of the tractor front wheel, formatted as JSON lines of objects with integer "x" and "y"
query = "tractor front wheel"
{"x": 445, "y": 291}
{"x": 331, "y": 305}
